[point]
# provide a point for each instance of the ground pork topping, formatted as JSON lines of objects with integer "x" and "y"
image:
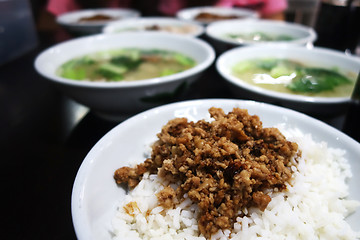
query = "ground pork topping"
{"x": 224, "y": 166}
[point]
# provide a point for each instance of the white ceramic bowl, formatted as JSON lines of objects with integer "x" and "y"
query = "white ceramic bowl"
{"x": 165, "y": 24}
{"x": 217, "y": 32}
{"x": 113, "y": 99}
{"x": 314, "y": 56}
{"x": 191, "y": 13}
{"x": 95, "y": 194}
{"x": 70, "y": 20}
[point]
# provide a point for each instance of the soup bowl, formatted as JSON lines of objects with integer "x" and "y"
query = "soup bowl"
{"x": 214, "y": 14}
{"x": 314, "y": 57}
{"x": 228, "y": 34}
{"x": 158, "y": 24}
{"x": 113, "y": 99}
{"x": 92, "y": 21}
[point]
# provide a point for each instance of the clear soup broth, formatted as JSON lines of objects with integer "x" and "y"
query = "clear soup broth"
{"x": 293, "y": 77}
{"x": 258, "y": 37}
{"x": 128, "y": 64}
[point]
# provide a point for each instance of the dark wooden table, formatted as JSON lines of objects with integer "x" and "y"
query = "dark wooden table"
{"x": 44, "y": 138}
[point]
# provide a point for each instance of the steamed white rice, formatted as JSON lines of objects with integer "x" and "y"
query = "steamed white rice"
{"x": 314, "y": 207}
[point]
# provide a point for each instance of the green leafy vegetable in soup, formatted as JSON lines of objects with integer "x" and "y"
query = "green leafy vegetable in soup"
{"x": 127, "y": 64}
{"x": 292, "y": 77}
{"x": 258, "y": 37}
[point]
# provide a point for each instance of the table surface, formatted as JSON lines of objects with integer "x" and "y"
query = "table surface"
{"x": 45, "y": 136}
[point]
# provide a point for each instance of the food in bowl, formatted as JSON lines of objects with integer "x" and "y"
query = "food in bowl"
{"x": 311, "y": 57}
{"x": 184, "y": 29}
{"x": 157, "y": 24}
{"x": 113, "y": 100}
{"x": 97, "y": 18}
{"x": 294, "y": 77}
{"x": 209, "y": 17}
{"x": 92, "y": 21}
{"x": 258, "y": 37}
{"x": 228, "y": 34}
{"x": 209, "y": 14}
{"x": 233, "y": 179}
{"x": 128, "y": 64}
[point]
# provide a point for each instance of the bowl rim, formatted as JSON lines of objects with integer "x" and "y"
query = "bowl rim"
{"x": 210, "y": 31}
{"x": 210, "y": 58}
{"x": 62, "y": 19}
{"x": 235, "y": 10}
{"x": 77, "y": 210}
{"x": 222, "y": 70}
{"x": 111, "y": 27}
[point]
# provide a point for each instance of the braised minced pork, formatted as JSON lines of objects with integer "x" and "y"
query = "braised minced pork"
{"x": 224, "y": 166}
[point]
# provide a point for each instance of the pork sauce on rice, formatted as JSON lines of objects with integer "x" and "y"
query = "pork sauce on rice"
{"x": 216, "y": 180}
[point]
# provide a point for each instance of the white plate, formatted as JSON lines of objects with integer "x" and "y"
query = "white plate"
{"x": 191, "y": 13}
{"x": 70, "y": 20}
{"x": 95, "y": 193}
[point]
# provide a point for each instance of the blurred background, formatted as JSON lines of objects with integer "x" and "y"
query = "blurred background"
{"x": 31, "y": 22}
{"x": 25, "y": 24}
